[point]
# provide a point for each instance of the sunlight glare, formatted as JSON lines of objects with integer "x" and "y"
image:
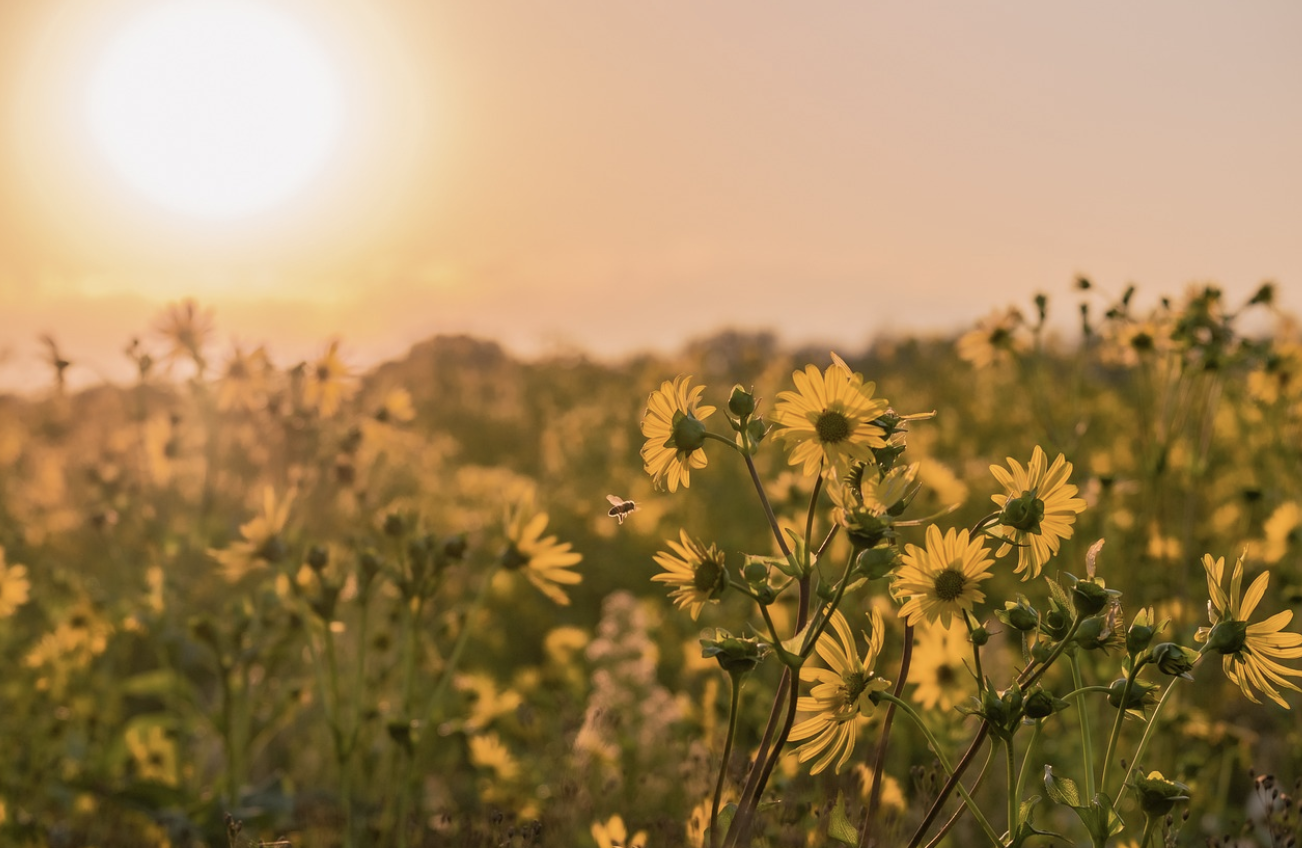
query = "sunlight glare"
{"x": 215, "y": 108}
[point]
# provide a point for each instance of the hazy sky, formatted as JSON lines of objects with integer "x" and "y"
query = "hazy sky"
{"x": 619, "y": 176}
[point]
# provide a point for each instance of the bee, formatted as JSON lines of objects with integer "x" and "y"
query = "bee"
{"x": 620, "y": 508}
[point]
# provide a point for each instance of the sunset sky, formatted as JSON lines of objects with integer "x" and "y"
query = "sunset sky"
{"x": 624, "y": 176}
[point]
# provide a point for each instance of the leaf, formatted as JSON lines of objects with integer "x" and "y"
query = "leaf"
{"x": 838, "y": 824}
{"x": 1062, "y": 789}
{"x": 158, "y": 682}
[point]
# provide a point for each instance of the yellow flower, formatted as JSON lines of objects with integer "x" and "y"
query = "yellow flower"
{"x": 487, "y": 751}
{"x": 1038, "y": 508}
{"x": 397, "y": 408}
{"x": 153, "y": 751}
{"x": 938, "y": 667}
{"x": 828, "y": 419}
{"x": 187, "y": 329}
{"x": 1248, "y": 651}
{"x": 697, "y": 572}
{"x": 261, "y": 543}
{"x": 14, "y": 586}
{"x": 1281, "y": 531}
{"x": 675, "y": 434}
{"x": 994, "y": 340}
{"x": 544, "y": 561}
{"x": 329, "y": 382}
{"x": 244, "y": 383}
{"x": 840, "y": 693}
{"x": 613, "y": 834}
{"x": 942, "y": 579}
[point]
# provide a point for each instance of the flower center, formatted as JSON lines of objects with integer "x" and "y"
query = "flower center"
{"x": 949, "y": 584}
{"x": 854, "y": 684}
{"x": 708, "y": 576}
{"x": 513, "y": 559}
{"x": 832, "y": 427}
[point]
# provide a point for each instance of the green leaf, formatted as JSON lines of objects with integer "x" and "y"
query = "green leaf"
{"x": 839, "y": 826}
{"x": 1062, "y": 789}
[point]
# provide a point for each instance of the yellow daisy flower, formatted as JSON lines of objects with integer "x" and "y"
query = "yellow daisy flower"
{"x": 675, "y": 434}
{"x": 697, "y": 572}
{"x": 154, "y": 753}
{"x": 488, "y": 752}
{"x": 14, "y": 586}
{"x": 612, "y": 833}
{"x": 246, "y": 380}
{"x": 840, "y": 694}
{"x": 261, "y": 542}
{"x": 1038, "y": 508}
{"x": 1248, "y": 651}
{"x": 828, "y": 419}
{"x": 187, "y": 329}
{"x": 328, "y": 382}
{"x": 544, "y": 561}
{"x": 994, "y": 340}
{"x": 938, "y": 667}
{"x": 941, "y": 580}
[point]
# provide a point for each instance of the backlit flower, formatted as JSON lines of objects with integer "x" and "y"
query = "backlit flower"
{"x": 938, "y": 667}
{"x": 1248, "y": 651}
{"x": 840, "y": 695}
{"x": 675, "y": 434}
{"x": 1038, "y": 508}
{"x": 696, "y": 572}
{"x": 994, "y": 340}
{"x": 328, "y": 382}
{"x": 14, "y": 586}
{"x": 612, "y": 833}
{"x": 187, "y": 329}
{"x": 544, "y": 561}
{"x": 827, "y": 421}
{"x": 244, "y": 383}
{"x": 942, "y": 579}
{"x": 261, "y": 541}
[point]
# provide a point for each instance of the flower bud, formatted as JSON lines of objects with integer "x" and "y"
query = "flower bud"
{"x": 755, "y": 572}
{"x": 317, "y": 558}
{"x": 1142, "y": 694}
{"x": 737, "y": 655}
{"x": 741, "y": 403}
{"x": 1175, "y": 660}
{"x": 875, "y": 563}
{"x": 1020, "y": 615}
{"x": 1023, "y": 513}
{"x": 1141, "y": 633}
{"x": 688, "y": 432}
{"x": 980, "y": 636}
{"x": 394, "y": 525}
{"x": 1157, "y": 795}
{"x": 1227, "y": 636}
{"x": 1041, "y": 703}
{"x": 1091, "y": 598}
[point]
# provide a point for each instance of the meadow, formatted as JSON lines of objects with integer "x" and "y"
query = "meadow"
{"x": 252, "y": 602}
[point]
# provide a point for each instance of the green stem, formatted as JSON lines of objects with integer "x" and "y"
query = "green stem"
{"x": 879, "y": 759}
{"x": 1026, "y": 760}
{"x": 445, "y": 677}
{"x": 1116, "y": 727}
{"x": 1014, "y": 820}
{"x": 939, "y": 751}
{"x": 1143, "y": 742}
{"x": 727, "y": 753}
{"x": 1086, "y": 742}
{"x": 343, "y": 750}
{"x": 768, "y": 508}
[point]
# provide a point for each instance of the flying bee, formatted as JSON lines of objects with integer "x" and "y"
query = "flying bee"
{"x": 620, "y": 508}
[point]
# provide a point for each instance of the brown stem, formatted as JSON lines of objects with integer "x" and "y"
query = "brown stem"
{"x": 866, "y": 837}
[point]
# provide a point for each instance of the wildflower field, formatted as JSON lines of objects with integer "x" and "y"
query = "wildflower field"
{"x": 1017, "y": 587}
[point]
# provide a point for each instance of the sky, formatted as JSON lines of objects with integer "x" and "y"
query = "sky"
{"x": 619, "y": 177}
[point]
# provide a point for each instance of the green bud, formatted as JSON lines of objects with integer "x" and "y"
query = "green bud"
{"x": 405, "y": 733}
{"x": 273, "y": 550}
{"x": 1228, "y": 637}
{"x": 688, "y": 433}
{"x": 1040, "y": 651}
{"x": 394, "y": 525}
{"x": 755, "y": 572}
{"x": 1041, "y": 703}
{"x": 741, "y": 403}
{"x": 1142, "y": 694}
{"x": 1023, "y": 513}
{"x": 1157, "y": 795}
{"x": 737, "y": 655}
{"x": 1091, "y": 598}
{"x": 1141, "y": 633}
{"x": 875, "y": 563}
{"x": 980, "y": 636}
{"x": 1020, "y": 616}
{"x": 1175, "y": 660}
{"x": 454, "y": 547}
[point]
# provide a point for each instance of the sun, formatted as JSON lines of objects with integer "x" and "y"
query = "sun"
{"x": 216, "y": 109}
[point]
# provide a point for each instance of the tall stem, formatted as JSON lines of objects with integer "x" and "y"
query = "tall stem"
{"x": 866, "y": 837}
{"x": 1143, "y": 742}
{"x": 727, "y": 754}
{"x": 1086, "y": 742}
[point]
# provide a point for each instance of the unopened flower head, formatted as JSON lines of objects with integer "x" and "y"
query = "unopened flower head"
{"x": 840, "y": 694}
{"x": 675, "y": 433}
{"x": 695, "y": 570}
{"x": 828, "y": 421}
{"x": 1249, "y": 652}
{"x": 943, "y": 579}
{"x": 1038, "y": 508}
